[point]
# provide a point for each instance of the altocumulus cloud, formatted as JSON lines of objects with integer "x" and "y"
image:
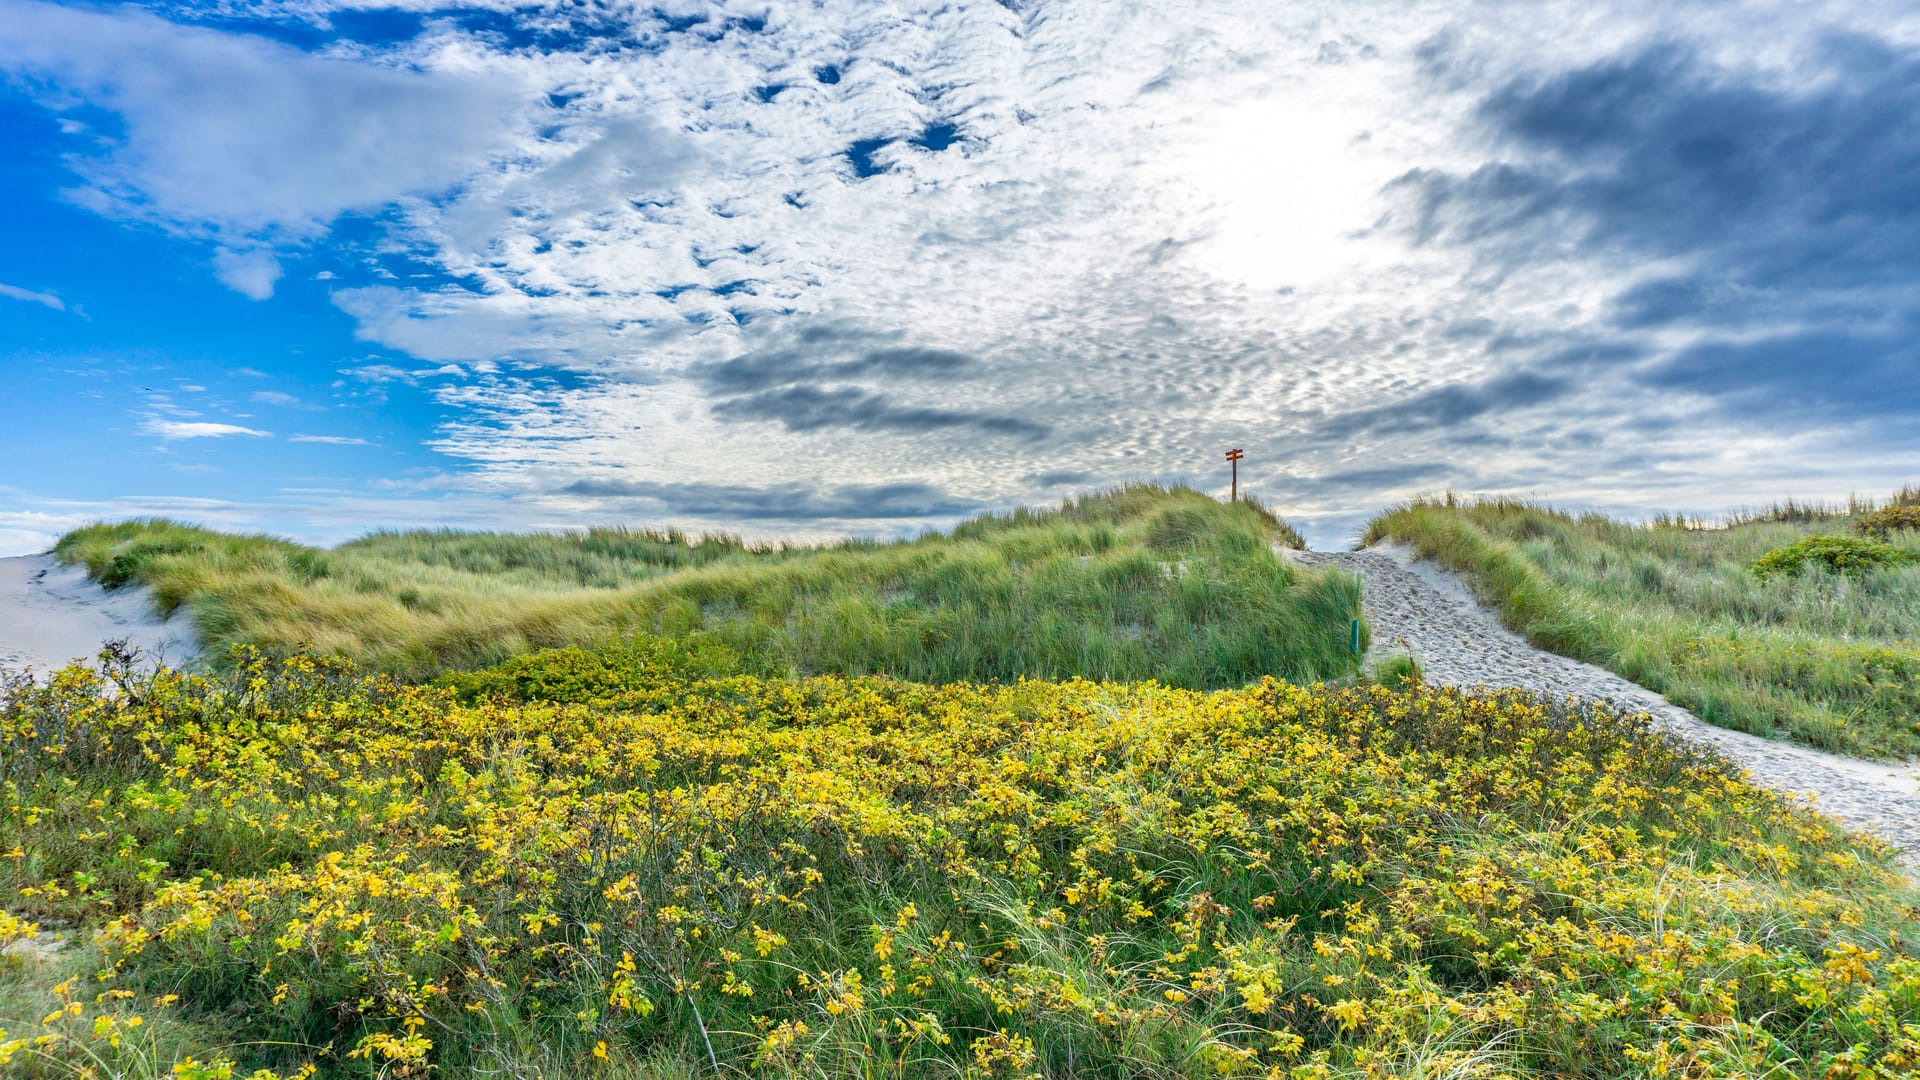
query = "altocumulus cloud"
{"x": 852, "y": 502}
{"x": 913, "y": 260}
{"x": 822, "y": 379}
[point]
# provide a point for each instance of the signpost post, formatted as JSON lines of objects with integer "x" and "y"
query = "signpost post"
{"x": 1234, "y": 457}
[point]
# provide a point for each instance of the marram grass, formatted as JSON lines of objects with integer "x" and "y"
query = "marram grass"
{"x": 1826, "y": 658}
{"x": 1141, "y": 582}
{"x": 698, "y": 873}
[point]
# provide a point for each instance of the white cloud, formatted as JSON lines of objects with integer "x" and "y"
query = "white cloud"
{"x": 329, "y": 440}
{"x": 249, "y": 273}
{"x": 25, "y": 531}
{"x": 14, "y": 292}
{"x": 196, "y": 429}
{"x": 379, "y": 373}
{"x": 275, "y": 397}
{"x": 261, "y": 138}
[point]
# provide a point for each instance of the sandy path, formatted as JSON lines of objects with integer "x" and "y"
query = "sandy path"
{"x": 51, "y": 614}
{"x": 1458, "y": 642}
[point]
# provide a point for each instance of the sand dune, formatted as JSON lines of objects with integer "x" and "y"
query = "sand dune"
{"x": 51, "y": 614}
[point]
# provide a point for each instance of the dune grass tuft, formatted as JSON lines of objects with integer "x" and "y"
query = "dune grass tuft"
{"x": 1135, "y": 583}
{"x": 1826, "y": 657}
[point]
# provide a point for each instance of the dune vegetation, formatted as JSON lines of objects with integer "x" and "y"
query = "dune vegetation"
{"x": 1142, "y": 582}
{"x": 685, "y": 870}
{"x": 1800, "y": 622}
{"x": 1055, "y": 795}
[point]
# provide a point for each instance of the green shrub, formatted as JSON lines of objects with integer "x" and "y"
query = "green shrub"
{"x": 1843, "y": 554}
{"x": 1395, "y": 670}
{"x": 1887, "y": 519}
{"x": 573, "y": 675}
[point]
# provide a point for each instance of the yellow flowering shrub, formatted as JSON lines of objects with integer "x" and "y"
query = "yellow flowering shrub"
{"x": 866, "y": 877}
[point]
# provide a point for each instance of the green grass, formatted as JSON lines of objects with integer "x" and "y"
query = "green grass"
{"x": 1825, "y": 658}
{"x": 689, "y": 871}
{"x": 1138, "y": 583}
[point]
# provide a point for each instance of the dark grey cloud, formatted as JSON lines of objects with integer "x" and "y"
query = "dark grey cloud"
{"x": 1565, "y": 356}
{"x": 1790, "y": 205}
{"x": 1830, "y": 374}
{"x": 811, "y": 408}
{"x": 1449, "y": 406}
{"x": 1059, "y": 478}
{"x": 787, "y": 366}
{"x": 1386, "y": 476}
{"x": 822, "y": 377}
{"x": 1663, "y": 301}
{"x": 786, "y": 502}
{"x": 1729, "y": 303}
{"x": 1661, "y": 152}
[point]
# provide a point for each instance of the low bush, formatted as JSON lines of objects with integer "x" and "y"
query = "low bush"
{"x": 1840, "y": 554}
{"x": 602, "y": 676}
{"x": 1396, "y": 670}
{"x": 290, "y": 867}
{"x": 1887, "y": 519}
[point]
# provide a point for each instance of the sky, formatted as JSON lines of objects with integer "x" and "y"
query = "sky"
{"x": 860, "y": 267}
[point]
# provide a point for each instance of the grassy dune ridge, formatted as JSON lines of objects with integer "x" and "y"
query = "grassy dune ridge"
{"x": 1823, "y": 658}
{"x": 1140, "y": 582}
{"x": 688, "y": 871}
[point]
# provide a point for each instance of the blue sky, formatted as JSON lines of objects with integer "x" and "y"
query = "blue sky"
{"x": 810, "y": 269}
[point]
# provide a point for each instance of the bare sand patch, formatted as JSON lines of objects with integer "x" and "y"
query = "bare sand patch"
{"x": 51, "y": 615}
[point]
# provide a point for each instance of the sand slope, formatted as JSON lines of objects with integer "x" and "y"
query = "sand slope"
{"x": 51, "y": 614}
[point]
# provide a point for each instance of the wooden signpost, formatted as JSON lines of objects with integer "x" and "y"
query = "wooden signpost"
{"x": 1234, "y": 457}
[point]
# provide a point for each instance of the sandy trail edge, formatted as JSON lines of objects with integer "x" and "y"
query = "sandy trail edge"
{"x": 1459, "y": 642}
{"x": 51, "y": 615}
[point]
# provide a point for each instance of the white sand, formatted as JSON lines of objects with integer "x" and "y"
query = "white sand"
{"x": 51, "y": 615}
{"x": 1432, "y": 613}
